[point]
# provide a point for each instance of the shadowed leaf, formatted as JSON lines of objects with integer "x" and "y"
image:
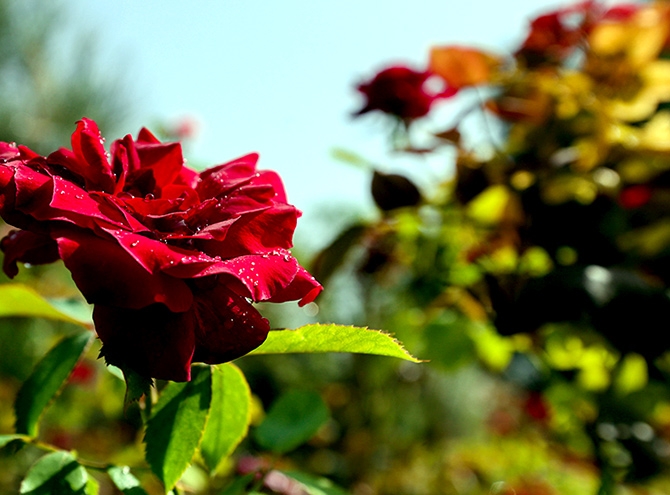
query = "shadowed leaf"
{"x": 46, "y": 380}
{"x": 292, "y": 420}
{"x": 177, "y": 424}
{"x": 55, "y": 473}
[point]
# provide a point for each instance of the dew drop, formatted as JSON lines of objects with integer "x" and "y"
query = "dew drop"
{"x": 134, "y": 243}
{"x": 79, "y": 196}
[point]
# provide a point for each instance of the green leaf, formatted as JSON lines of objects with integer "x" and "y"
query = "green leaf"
{"x": 124, "y": 480}
{"x": 449, "y": 344}
{"x": 292, "y": 419}
{"x": 92, "y": 486}
{"x": 333, "y": 338}
{"x": 55, "y": 473}
{"x": 229, "y": 414}
{"x": 239, "y": 485}
{"x": 315, "y": 485}
{"x": 21, "y": 300}
{"x": 46, "y": 381}
{"x": 176, "y": 425}
{"x": 5, "y": 439}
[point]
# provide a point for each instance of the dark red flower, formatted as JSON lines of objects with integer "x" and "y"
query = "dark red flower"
{"x": 400, "y": 91}
{"x": 554, "y": 35}
{"x": 172, "y": 259}
{"x": 635, "y": 196}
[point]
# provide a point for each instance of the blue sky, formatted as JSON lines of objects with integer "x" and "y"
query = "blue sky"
{"x": 278, "y": 77}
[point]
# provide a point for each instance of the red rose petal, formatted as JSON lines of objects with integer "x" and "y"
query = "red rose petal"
{"x": 27, "y": 247}
{"x": 153, "y": 341}
{"x": 106, "y": 274}
{"x": 91, "y": 158}
{"x": 262, "y": 275}
{"x": 228, "y": 326}
{"x": 303, "y": 287}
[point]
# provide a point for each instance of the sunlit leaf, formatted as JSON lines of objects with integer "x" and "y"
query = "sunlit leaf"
{"x": 632, "y": 375}
{"x": 176, "y": 425}
{"x": 494, "y": 350}
{"x": 229, "y": 414}
{"x": 55, "y": 473}
{"x": 20, "y": 300}
{"x": 292, "y": 420}
{"x": 493, "y": 205}
{"x": 124, "y": 480}
{"x": 333, "y": 338}
{"x": 46, "y": 380}
{"x": 92, "y": 486}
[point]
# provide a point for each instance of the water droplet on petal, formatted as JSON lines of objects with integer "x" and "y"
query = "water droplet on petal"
{"x": 134, "y": 243}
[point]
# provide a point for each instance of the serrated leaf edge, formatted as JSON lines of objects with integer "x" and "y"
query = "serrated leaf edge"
{"x": 258, "y": 351}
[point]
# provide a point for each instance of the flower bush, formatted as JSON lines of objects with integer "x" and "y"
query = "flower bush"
{"x": 542, "y": 254}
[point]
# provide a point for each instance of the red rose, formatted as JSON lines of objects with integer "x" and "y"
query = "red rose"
{"x": 554, "y": 35}
{"x": 400, "y": 91}
{"x": 171, "y": 258}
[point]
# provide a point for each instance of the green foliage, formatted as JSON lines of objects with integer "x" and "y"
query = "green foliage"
{"x": 46, "y": 380}
{"x": 21, "y": 300}
{"x": 177, "y": 424}
{"x": 124, "y": 481}
{"x": 56, "y": 473}
{"x": 5, "y": 439}
{"x": 229, "y": 415}
{"x": 239, "y": 485}
{"x": 333, "y": 338}
{"x": 280, "y": 432}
